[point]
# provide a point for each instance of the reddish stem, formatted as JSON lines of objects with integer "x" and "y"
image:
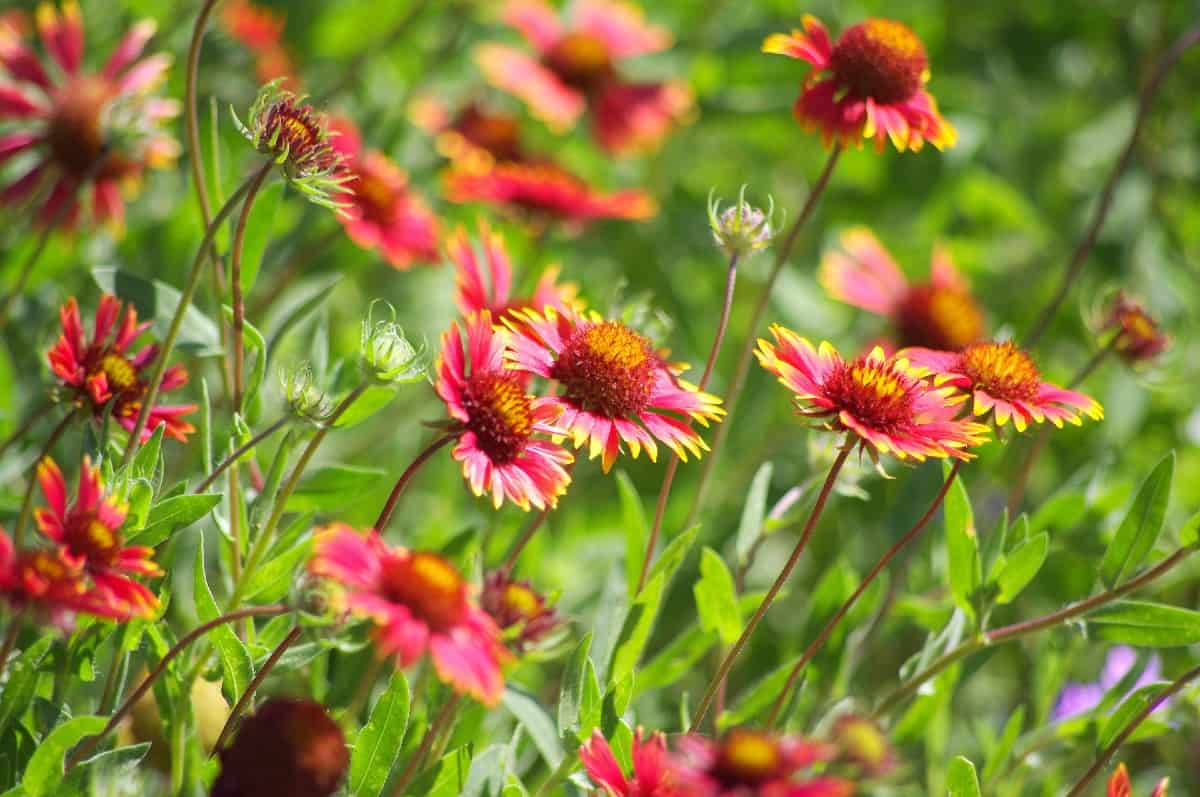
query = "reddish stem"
{"x": 390, "y": 505}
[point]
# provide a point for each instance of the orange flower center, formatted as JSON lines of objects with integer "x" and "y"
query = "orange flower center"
{"x": 429, "y": 587}
{"x": 1002, "y": 370}
{"x": 608, "y": 369}
{"x": 120, "y": 373}
{"x": 374, "y": 193}
{"x": 500, "y": 414}
{"x": 498, "y": 134}
{"x": 747, "y": 758}
{"x": 580, "y": 60}
{"x": 939, "y": 318}
{"x": 880, "y": 59}
{"x": 875, "y": 393}
{"x": 88, "y": 537}
{"x": 521, "y": 601}
{"x": 75, "y": 134}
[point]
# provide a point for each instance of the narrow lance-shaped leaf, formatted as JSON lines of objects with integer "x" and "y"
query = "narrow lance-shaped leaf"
{"x": 1139, "y": 530}
{"x": 1145, "y": 624}
{"x": 378, "y": 744}
{"x": 716, "y": 598}
{"x": 962, "y": 547}
{"x": 961, "y": 779}
{"x": 1021, "y": 565}
{"x": 754, "y": 511}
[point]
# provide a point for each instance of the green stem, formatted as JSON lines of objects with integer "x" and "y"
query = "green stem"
{"x": 783, "y": 252}
{"x": 26, "y": 270}
{"x": 237, "y": 300}
{"x": 564, "y": 768}
{"x": 413, "y": 765}
{"x": 239, "y": 451}
{"x": 185, "y": 300}
{"x": 27, "y": 500}
{"x": 10, "y": 637}
{"x": 780, "y": 580}
{"x": 26, "y": 425}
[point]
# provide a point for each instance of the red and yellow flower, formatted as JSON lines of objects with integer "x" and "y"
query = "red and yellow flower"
{"x": 418, "y": 602}
{"x": 747, "y": 763}
{"x": 475, "y": 136}
{"x": 94, "y": 133}
{"x": 260, "y": 30}
{"x": 519, "y": 610}
{"x": 616, "y": 387}
{"x": 89, "y": 533}
{"x": 102, "y": 370}
{"x": 576, "y": 68}
{"x": 653, "y": 773}
{"x": 1002, "y": 380}
{"x": 381, "y": 211}
{"x": 1119, "y": 785}
{"x": 499, "y": 421}
{"x": 870, "y": 84}
{"x": 938, "y": 314}
{"x": 1138, "y": 336}
{"x": 874, "y": 397}
{"x": 486, "y": 283}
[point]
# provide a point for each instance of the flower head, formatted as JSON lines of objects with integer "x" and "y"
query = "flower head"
{"x": 1138, "y": 336}
{"x": 418, "y": 602}
{"x": 577, "y": 68}
{"x": 55, "y": 586}
{"x": 863, "y": 743}
{"x": 545, "y": 191}
{"x": 616, "y": 387}
{"x": 740, "y": 229}
{"x": 748, "y": 763}
{"x": 381, "y": 210}
{"x": 260, "y": 30}
{"x": 501, "y": 448}
{"x": 938, "y": 314}
{"x": 870, "y": 84}
{"x": 475, "y": 136}
{"x": 519, "y": 610}
{"x": 288, "y": 747}
{"x": 94, "y": 133}
{"x": 486, "y": 283}
{"x": 102, "y": 370}
{"x": 1119, "y": 786}
{"x": 1002, "y": 379}
{"x": 89, "y": 532}
{"x": 653, "y": 772}
{"x": 875, "y": 397}
{"x": 297, "y": 137}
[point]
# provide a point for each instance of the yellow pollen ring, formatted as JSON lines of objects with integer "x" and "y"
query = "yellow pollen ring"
{"x": 119, "y": 372}
{"x": 616, "y": 344}
{"x": 435, "y": 573}
{"x": 750, "y": 754}
{"x": 894, "y": 36}
{"x": 521, "y": 599}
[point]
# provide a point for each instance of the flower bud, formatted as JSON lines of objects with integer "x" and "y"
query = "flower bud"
{"x": 740, "y": 229}
{"x": 387, "y": 355}
{"x": 306, "y": 400}
{"x": 864, "y": 743}
{"x": 1138, "y": 336}
{"x": 519, "y": 610}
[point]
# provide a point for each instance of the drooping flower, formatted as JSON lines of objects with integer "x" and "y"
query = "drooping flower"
{"x": 54, "y": 586}
{"x": 381, "y": 211}
{"x": 298, "y": 138}
{"x": 89, "y": 532}
{"x": 1003, "y": 380}
{"x": 1119, "y": 785}
{"x": 653, "y": 773}
{"x": 499, "y": 421}
{"x": 1138, "y": 336}
{"x": 938, "y": 314}
{"x": 486, "y": 283}
{"x": 874, "y": 397}
{"x": 418, "y": 602}
{"x": 102, "y": 370}
{"x": 616, "y": 387}
{"x": 1080, "y": 698}
{"x": 519, "y": 610}
{"x": 576, "y": 68}
{"x": 870, "y": 84}
{"x": 748, "y": 763}
{"x": 290, "y": 747}
{"x": 93, "y": 133}
{"x": 545, "y": 191}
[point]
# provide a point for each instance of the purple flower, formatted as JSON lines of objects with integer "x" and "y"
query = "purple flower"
{"x": 1080, "y": 698}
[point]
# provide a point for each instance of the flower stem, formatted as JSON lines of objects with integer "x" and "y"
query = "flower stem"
{"x": 1084, "y": 247}
{"x": 27, "y": 500}
{"x": 185, "y": 299}
{"x": 402, "y": 483}
{"x": 412, "y": 767}
{"x": 237, "y": 300}
{"x": 285, "y": 492}
{"x": 1028, "y": 627}
{"x": 259, "y": 677}
{"x": 760, "y": 310}
{"x": 1132, "y": 726}
{"x": 510, "y": 561}
{"x": 239, "y": 451}
{"x": 26, "y": 425}
{"x": 899, "y": 545}
{"x": 26, "y": 270}
{"x": 251, "y": 611}
{"x": 673, "y": 465}
{"x": 10, "y": 637}
{"x": 780, "y": 580}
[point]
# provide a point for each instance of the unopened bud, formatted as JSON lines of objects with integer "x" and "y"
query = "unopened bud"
{"x": 304, "y": 398}
{"x": 740, "y": 229}
{"x": 387, "y": 355}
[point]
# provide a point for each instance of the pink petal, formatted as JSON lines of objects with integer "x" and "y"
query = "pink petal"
{"x": 129, "y": 48}
{"x": 62, "y": 34}
{"x": 552, "y": 101}
{"x": 621, "y": 27}
{"x": 536, "y": 21}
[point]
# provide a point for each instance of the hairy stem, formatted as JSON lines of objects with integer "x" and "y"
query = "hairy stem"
{"x": 259, "y": 677}
{"x": 239, "y": 451}
{"x": 1084, "y": 247}
{"x": 780, "y": 580}
{"x": 899, "y": 545}
{"x": 393, "y": 498}
{"x": 782, "y": 253}
{"x": 235, "y": 288}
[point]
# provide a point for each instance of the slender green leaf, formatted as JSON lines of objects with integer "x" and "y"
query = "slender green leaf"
{"x": 1133, "y": 705}
{"x": 332, "y": 487}
{"x": 757, "y": 696}
{"x": 676, "y": 659}
{"x": 378, "y": 744}
{"x": 272, "y": 580}
{"x": 536, "y": 722}
{"x": 1143, "y": 523}
{"x": 962, "y": 547}
{"x": 1190, "y": 533}
{"x": 637, "y": 530}
{"x": 261, "y": 224}
{"x": 173, "y": 514}
{"x": 673, "y": 555}
{"x": 23, "y": 674}
{"x": 156, "y": 300}
{"x": 716, "y": 598}
{"x": 1003, "y": 748}
{"x": 235, "y": 659}
{"x": 754, "y": 512}
{"x": 1145, "y": 624}
{"x": 147, "y": 463}
{"x": 571, "y": 692}
{"x": 45, "y": 770}
{"x": 961, "y": 779}
{"x": 636, "y": 631}
{"x": 1021, "y": 565}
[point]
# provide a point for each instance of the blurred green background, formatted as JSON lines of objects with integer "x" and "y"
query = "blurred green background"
{"x": 1043, "y": 96}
